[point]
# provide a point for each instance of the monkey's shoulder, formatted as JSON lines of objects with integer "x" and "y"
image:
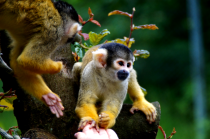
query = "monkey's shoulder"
{"x": 32, "y": 11}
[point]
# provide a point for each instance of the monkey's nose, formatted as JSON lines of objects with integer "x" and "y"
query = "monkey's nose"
{"x": 122, "y": 74}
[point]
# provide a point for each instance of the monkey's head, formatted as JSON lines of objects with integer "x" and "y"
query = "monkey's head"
{"x": 114, "y": 60}
{"x": 70, "y": 21}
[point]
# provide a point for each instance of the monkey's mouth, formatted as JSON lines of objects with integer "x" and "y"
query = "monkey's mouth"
{"x": 122, "y": 75}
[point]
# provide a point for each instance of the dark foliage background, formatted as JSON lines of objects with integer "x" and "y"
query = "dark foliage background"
{"x": 166, "y": 74}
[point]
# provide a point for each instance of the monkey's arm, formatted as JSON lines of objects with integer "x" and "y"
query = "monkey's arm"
{"x": 110, "y": 110}
{"x": 86, "y": 110}
{"x": 34, "y": 84}
{"x": 139, "y": 101}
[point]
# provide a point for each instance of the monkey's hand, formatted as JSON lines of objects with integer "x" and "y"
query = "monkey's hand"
{"x": 106, "y": 120}
{"x": 87, "y": 120}
{"x": 54, "y": 103}
{"x": 147, "y": 108}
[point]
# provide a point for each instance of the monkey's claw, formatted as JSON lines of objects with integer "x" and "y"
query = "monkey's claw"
{"x": 147, "y": 108}
{"x": 87, "y": 120}
{"x": 104, "y": 120}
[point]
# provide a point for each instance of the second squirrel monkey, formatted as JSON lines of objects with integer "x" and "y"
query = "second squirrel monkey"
{"x": 36, "y": 29}
{"x": 107, "y": 75}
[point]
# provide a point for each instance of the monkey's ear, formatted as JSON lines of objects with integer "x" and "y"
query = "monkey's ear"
{"x": 73, "y": 29}
{"x": 99, "y": 57}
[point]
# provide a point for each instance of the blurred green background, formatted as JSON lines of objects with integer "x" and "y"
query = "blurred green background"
{"x": 167, "y": 73}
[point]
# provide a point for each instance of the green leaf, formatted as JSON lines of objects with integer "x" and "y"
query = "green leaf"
{"x": 141, "y": 54}
{"x": 124, "y": 41}
{"x": 79, "y": 51}
{"x": 10, "y": 99}
{"x": 96, "y": 38}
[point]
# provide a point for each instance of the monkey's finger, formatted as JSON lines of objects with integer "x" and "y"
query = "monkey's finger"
{"x": 97, "y": 128}
{"x": 56, "y": 112}
{"x": 54, "y": 97}
{"x": 58, "y": 109}
{"x": 133, "y": 109}
{"x": 82, "y": 125}
{"x": 52, "y": 109}
{"x": 93, "y": 124}
{"x": 154, "y": 114}
{"x": 60, "y": 105}
{"x": 104, "y": 119}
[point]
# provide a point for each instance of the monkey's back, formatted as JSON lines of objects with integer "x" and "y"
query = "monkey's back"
{"x": 27, "y": 17}
{"x": 89, "y": 56}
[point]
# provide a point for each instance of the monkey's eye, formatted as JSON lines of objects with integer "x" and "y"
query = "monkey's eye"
{"x": 121, "y": 63}
{"x": 128, "y": 65}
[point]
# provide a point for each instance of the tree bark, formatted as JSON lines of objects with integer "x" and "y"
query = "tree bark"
{"x": 32, "y": 114}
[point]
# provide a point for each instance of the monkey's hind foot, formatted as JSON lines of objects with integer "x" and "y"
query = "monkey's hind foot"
{"x": 105, "y": 121}
{"x": 147, "y": 108}
{"x": 87, "y": 120}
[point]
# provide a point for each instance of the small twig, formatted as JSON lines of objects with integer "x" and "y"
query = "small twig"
{"x": 4, "y": 106}
{"x": 7, "y": 95}
{"x": 131, "y": 27}
{"x": 83, "y": 46}
{"x": 163, "y": 132}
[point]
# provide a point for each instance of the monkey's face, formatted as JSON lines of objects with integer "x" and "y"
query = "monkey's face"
{"x": 114, "y": 61}
{"x": 122, "y": 68}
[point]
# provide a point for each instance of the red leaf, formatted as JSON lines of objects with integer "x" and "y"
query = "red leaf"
{"x": 80, "y": 19}
{"x": 90, "y": 13}
{"x": 120, "y": 12}
{"x": 84, "y": 35}
{"x": 96, "y": 22}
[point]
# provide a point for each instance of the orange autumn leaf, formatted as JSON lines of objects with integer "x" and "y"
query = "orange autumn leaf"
{"x": 80, "y": 19}
{"x": 76, "y": 57}
{"x": 150, "y": 26}
{"x": 120, "y": 13}
{"x": 96, "y": 22}
{"x": 90, "y": 13}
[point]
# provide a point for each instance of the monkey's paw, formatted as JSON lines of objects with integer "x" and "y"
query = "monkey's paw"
{"x": 87, "y": 120}
{"x": 147, "y": 108}
{"x": 54, "y": 103}
{"x": 105, "y": 121}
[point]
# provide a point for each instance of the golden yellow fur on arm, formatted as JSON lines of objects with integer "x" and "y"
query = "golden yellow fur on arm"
{"x": 134, "y": 89}
{"x": 87, "y": 110}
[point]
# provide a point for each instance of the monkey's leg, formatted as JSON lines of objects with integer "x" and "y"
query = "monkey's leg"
{"x": 36, "y": 58}
{"x": 86, "y": 111}
{"x": 139, "y": 101}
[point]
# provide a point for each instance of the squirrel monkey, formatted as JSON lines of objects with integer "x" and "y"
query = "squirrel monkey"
{"x": 107, "y": 75}
{"x": 37, "y": 28}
